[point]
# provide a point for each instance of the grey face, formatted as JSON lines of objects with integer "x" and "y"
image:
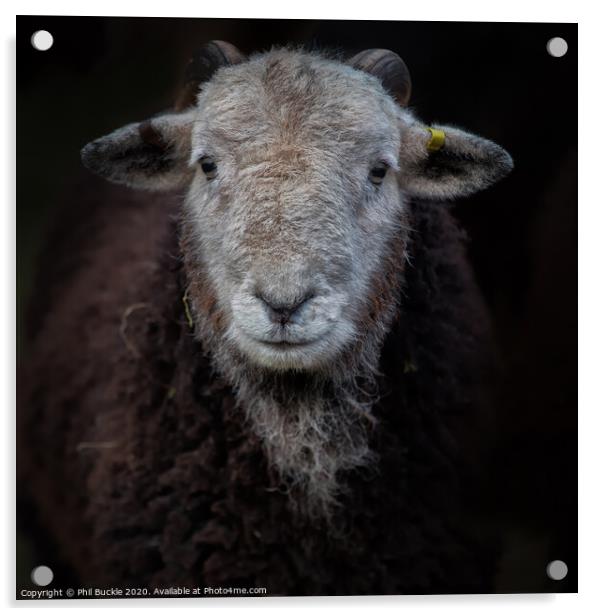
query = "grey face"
{"x": 294, "y": 201}
{"x": 297, "y": 170}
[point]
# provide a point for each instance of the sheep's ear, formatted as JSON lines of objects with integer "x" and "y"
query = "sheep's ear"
{"x": 443, "y": 162}
{"x": 153, "y": 155}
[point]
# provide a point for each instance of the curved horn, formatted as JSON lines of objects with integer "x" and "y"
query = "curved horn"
{"x": 389, "y": 68}
{"x": 202, "y": 66}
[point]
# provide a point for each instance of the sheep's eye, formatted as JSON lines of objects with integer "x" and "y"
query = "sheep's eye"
{"x": 378, "y": 172}
{"x": 208, "y": 166}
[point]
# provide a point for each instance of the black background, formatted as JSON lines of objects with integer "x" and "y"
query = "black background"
{"x": 496, "y": 80}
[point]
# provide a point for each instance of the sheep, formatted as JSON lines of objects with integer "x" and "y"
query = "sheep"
{"x": 258, "y": 369}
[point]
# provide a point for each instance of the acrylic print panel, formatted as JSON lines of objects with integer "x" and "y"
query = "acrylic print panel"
{"x": 289, "y": 318}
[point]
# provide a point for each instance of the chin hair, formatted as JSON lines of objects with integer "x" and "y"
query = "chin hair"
{"x": 314, "y": 425}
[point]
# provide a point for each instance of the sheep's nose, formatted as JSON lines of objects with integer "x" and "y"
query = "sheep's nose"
{"x": 282, "y": 313}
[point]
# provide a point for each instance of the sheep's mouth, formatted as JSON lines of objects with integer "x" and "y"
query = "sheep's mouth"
{"x": 285, "y": 344}
{"x": 286, "y": 351}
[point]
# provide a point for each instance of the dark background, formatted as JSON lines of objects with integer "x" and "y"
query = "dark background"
{"x": 496, "y": 80}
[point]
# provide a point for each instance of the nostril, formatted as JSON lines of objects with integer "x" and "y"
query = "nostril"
{"x": 283, "y": 313}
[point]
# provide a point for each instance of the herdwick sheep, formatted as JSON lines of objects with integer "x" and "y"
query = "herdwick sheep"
{"x": 264, "y": 372}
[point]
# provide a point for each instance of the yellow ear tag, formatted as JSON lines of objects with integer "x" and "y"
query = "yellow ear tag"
{"x": 437, "y": 140}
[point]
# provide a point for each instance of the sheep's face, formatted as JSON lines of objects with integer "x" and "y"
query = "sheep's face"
{"x": 297, "y": 171}
{"x": 294, "y": 203}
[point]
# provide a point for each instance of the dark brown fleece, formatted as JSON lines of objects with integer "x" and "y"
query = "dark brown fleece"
{"x": 143, "y": 472}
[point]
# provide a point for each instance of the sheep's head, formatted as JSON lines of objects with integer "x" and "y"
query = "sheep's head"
{"x": 298, "y": 169}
